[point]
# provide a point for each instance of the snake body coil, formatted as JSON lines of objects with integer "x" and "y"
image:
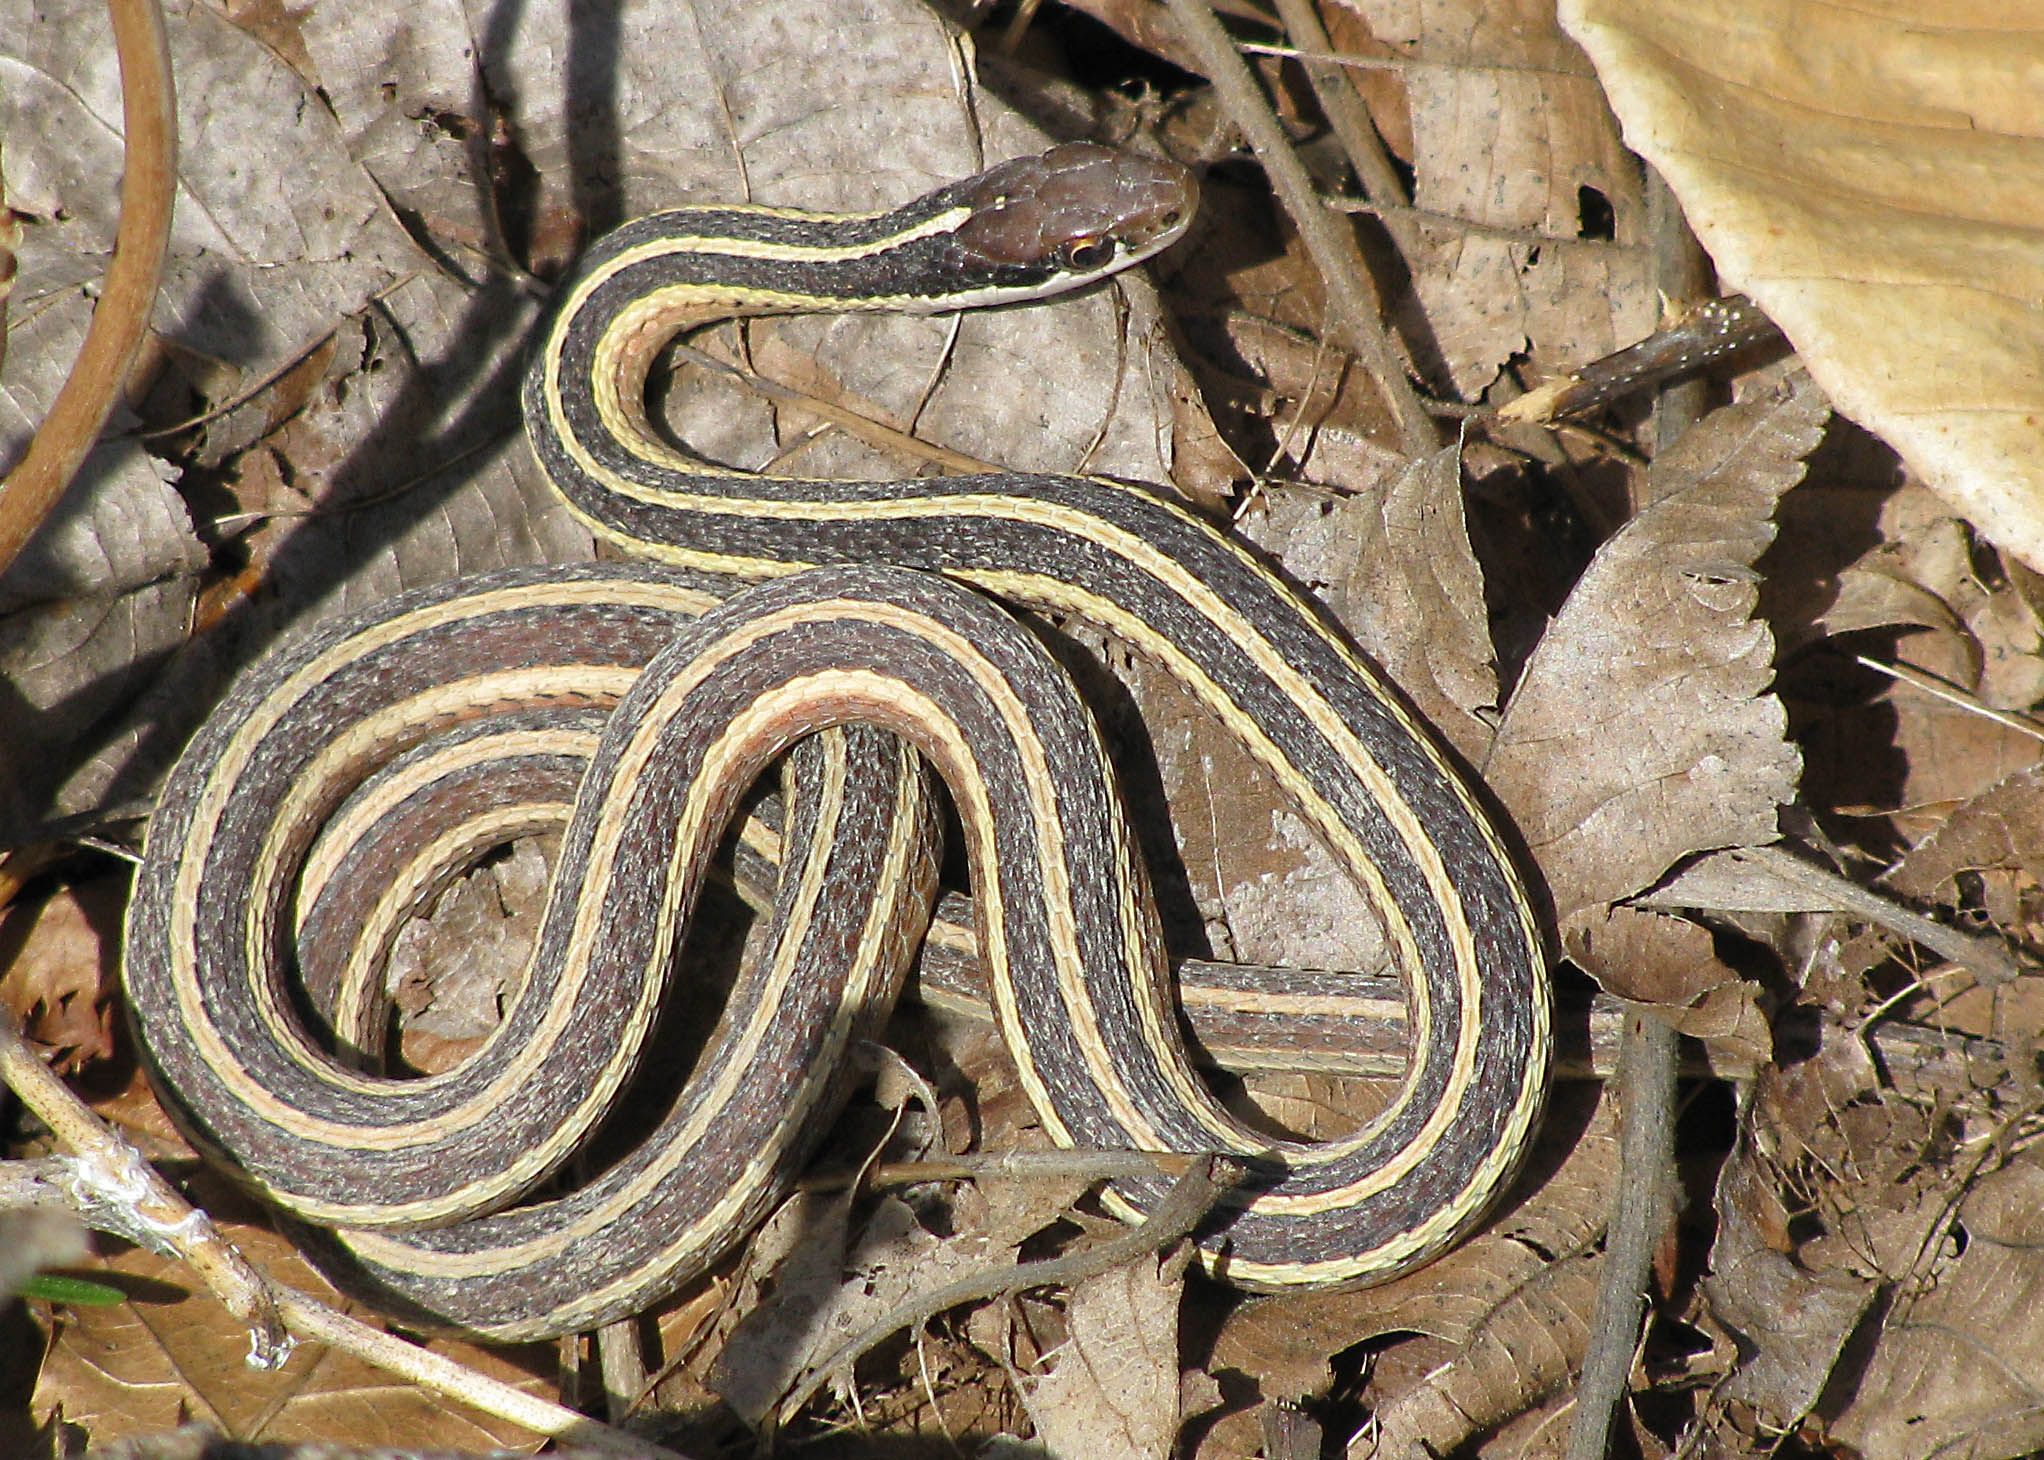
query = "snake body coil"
{"x": 881, "y": 618}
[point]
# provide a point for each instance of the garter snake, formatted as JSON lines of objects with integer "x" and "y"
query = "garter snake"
{"x": 318, "y": 806}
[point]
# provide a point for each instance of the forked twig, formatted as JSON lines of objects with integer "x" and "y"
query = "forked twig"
{"x": 1182, "y": 1209}
{"x": 114, "y": 1189}
{"x": 1358, "y": 313}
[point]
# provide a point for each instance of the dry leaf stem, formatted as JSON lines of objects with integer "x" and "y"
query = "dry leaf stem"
{"x": 114, "y": 1189}
{"x": 1357, "y": 313}
{"x": 121, "y": 318}
{"x": 1205, "y": 1182}
{"x": 1987, "y": 957}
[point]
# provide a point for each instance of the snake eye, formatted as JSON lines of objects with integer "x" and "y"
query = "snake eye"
{"x": 1087, "y": 253}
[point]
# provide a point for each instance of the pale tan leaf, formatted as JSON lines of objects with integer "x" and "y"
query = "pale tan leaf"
{"x": 799, "y": 1255}
{"x": 65, "y": 666}
{"x": 1642, "y": 731}
{"x": 1266, "y": 886}
{"x": 275, "y": 234}
{"x": 1871, "y": 175}
{"x": 125, "y": 533}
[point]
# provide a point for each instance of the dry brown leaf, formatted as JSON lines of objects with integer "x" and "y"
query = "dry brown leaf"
{"x": 1526, "y": 1349}
{"x": 1509, "y": 135}
{"x": 1395, "y": 567}
{"x": 825, "y": 1294}
{"x": 1112, "y": 1392}
{"x": 1959, "y": 1366}
{"x": 1871, "y": 177}
{"x": 1647, "y": 957}
{"x": 2000, "y": 830}
{"x": 800, "y": 1253}
{"x": 1862, "y": 548}
{"x": 1791, "y": 1324}
{"x": 1641, "y": 731}
{"x": 58, "y": 970}
{"x": 172, "y": 1354}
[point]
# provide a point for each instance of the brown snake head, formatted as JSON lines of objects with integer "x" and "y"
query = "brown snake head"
{"x": 1080, "y": 208}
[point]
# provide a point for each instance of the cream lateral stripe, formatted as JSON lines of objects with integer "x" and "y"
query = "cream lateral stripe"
{"x": 353, "y": 747}
{"x": 967, "y": 787}
{"x": 1301, "y": 692}
{"x": 1063, "y": 597}
{"x": 234, "y": 764}
{"x": 762, "y": 840}
{"x": 345, "y": 830}
{"x": 710, "y": 245}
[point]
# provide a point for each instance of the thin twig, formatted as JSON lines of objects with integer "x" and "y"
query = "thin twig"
{"x": 114, "y": 1189}
{"x": 1182, "y": 1209}
{"x": 1986, "y": 956}
{"x": 853, "y": 423}
{"x": 1357, "y": 314}
{"x": 1343, "y": 107}
{"x": 1088, "y": 1166}
{"x": 27, "y": 1185}
{"x": 121, "y": 318}
{"x": 196, "y": 1442}
{"x": 1529, "y": 237}
{"x": 1461, "y": 66}
{"x": 1645, "y": 1199}
{"x": 1639, "y": 1215}
{"x": 1937, "y": 689}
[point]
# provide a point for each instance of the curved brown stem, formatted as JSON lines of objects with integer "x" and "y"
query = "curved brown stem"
{"x": 121, "y": 318}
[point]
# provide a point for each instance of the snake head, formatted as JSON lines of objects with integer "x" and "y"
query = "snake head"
{"x": 1072, "y": 214}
